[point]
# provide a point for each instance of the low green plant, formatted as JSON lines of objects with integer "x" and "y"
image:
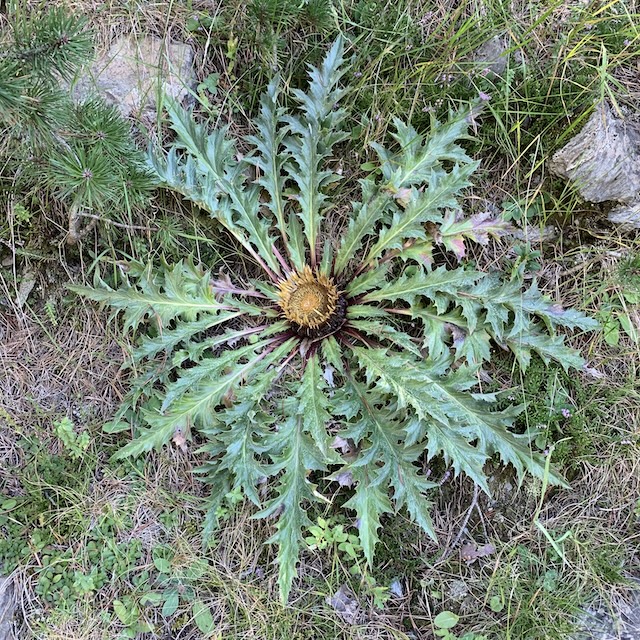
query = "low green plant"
{"x": 619, "y": 305}
{"x": 444, "y": 623}
{"x": 355, "y": 351}
{"x": 328, "y": 535}
{"x": 75, "y": 444}
{"x": 175, "y": 587}
{"x": 325, "y": 534}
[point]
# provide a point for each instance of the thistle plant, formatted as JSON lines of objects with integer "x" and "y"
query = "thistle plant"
{"x": 350, "y": 359}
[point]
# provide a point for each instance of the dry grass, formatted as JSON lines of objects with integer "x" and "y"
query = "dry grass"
{"x": 72, "y": 369}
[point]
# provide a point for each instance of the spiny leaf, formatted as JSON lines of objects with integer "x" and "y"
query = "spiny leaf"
{"x": 370, "y": 279}
{"x": 387, "y": 459}
{"x": 364, "y": 222}
{"x": 369, "y": 502}
{"x": 499, "y": 298}
{"x": 428, "y": 285}
{"x": 385, "y": 332}
{"x": 427, "y": 207}
{"x": 547, "y": 347}
{"x": 183, "y": 331}
{"x": 196, "y": 404}
{"x": 313, "y": 405}
{"x": 474, "y": 347}
{"x": 269, "y": 160}
{"x": 437, "y": 328}
{"x": 453, "y": 231}
{"x": 418, "y": 161}
{"x": 420, "y": 385}
{"x": 454, "y": 444}
{"x": 299, "y": 456}
{"x": 244, "y": 440}
{"x": 212, "y": 178}
{"x": 311, "y": 140}
{"x": 182, "y": 291}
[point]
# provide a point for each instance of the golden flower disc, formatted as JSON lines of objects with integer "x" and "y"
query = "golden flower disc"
{"x": 308, "y": 298}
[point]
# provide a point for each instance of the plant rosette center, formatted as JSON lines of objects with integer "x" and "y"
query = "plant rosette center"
{"x": 310, "y": 300}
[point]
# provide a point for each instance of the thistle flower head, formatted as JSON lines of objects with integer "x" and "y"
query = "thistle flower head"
{"x": 308, "y": 298}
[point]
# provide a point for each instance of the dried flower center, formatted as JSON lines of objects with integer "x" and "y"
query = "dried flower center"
{"x": 308, "y": 299}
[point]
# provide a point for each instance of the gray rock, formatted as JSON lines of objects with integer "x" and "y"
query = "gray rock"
{"x": 603, "y": 161}
{"x": 7, "y": 607}
{"x": 536, "y": 235}
{"x": 626, "y": 215}
{"x": 620, "y": 620}
{"x": 493, "y": 55}
{"x": 133, "y": 72}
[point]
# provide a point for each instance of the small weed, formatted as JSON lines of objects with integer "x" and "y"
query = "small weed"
{"x": 75, "y": 444}
{"x": 331, "y": 538}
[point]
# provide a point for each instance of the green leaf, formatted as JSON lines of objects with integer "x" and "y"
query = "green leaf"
{"x": 368, "y": 280}
{"x": 474, "y": 347}
{"x": 214, "y": 180}
{"x": 421, "y": 386}
{"x": 446, "y": 620}
{"x": 162, "y": 565}
{"x": 418, "y": 160}
{"x": 197, "y": 404}
{"x": 7, "y": 505}
{"x": 203, "y": 618}
{"x": 244, "y": 443}
{"x": 369, "y": 501}
{"x": 427, "y": 285}
{"x": 269, "y": 161}
{"x": 453, "y": 231}
{"x": 547, "y": 347}
{"x": 366, "y": 218}
{"x": 171, "y": 602}
{"x": 313, "y": 405}
{"x": 312, "y": 137}
{"x": 496, "y": 604}
{"x": 387, "y": 459}
{"x": 455, "y": 447}
{"x": 425, "y": 207}
{"x": 182, "y": 291}
{"x": 182, "y": 332}
{"x": 383, "y": 331}
{"x": 437, "y": 328}
{"x": 116, "y": 426}
{"x": 298, "y": 456}
{"x": 127, "y": 612}
{"x": 332, "y": 353}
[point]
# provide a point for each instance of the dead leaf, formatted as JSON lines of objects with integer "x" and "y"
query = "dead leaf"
{"x": 344, "y": 478}
{"x": 470, "y": 552}
{"x": 180, "y": 441}
{"x": 345, "y": 605}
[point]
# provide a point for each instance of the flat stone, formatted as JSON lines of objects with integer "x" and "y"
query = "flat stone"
{"x": 135, "y": 71}
{"x": 7, "y": 607}
{"x": 603, "y": 161}
{"x": 626, "y": 215}
{"x": 620, "y": 620}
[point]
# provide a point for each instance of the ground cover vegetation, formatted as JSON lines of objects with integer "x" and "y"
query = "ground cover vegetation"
{"x": 102, "y": 543}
